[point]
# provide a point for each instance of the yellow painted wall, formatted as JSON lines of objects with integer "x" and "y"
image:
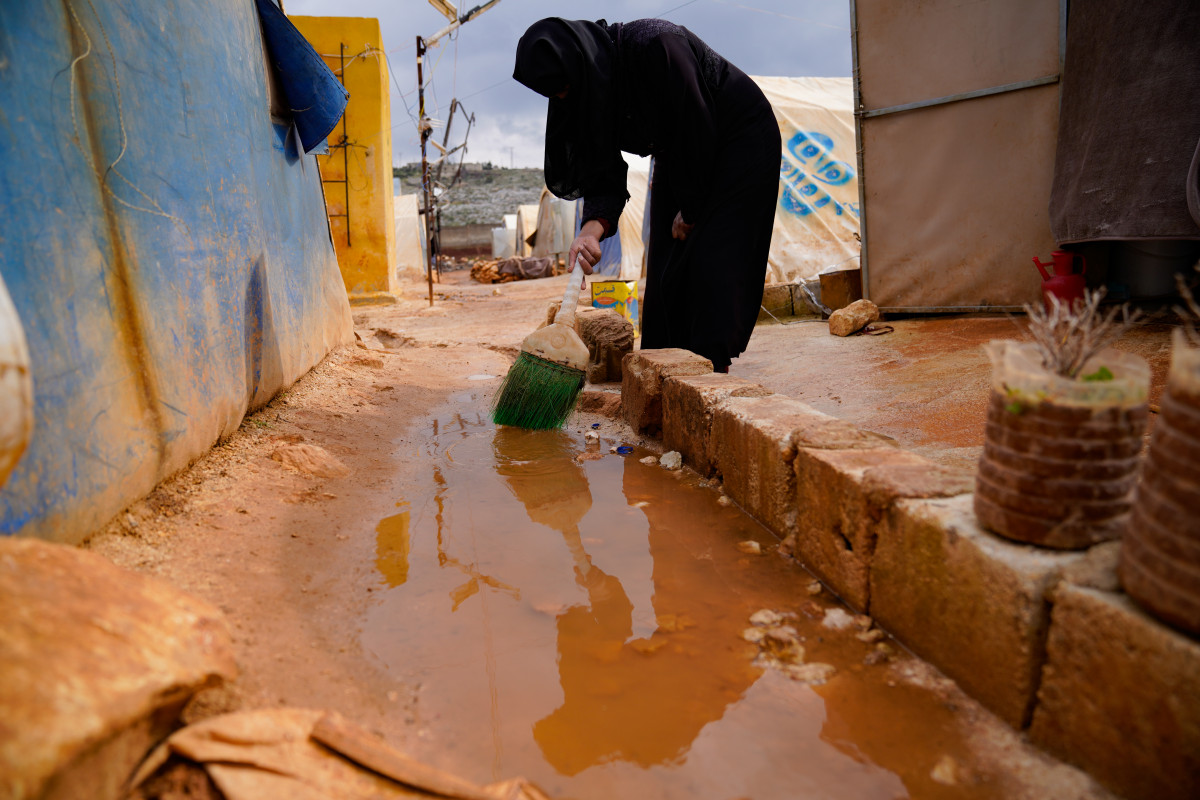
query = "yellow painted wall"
{"x": 358, "y": 167}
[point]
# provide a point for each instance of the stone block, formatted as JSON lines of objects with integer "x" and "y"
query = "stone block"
{"x": 688, "y": 403}
{"x": 972, "y": 604}
{"x": 841, "y": 497}
{"x": 754, "y": 442}
{"x": 1120, "y": 696}
{"x": 858, "y": 314}
{"x": 777, "y": 298}
{"x": 642, "y": 375}
{"x": 97, "y": 664}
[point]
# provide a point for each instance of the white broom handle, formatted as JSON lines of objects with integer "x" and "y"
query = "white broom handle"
{"x": 566, "y": 312}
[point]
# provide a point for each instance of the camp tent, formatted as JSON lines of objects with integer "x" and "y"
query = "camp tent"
{"x": 504, "y": 238}
{"x": 526, "y": 225}
{"x": 622, "y": 256}
{"x": 816, "y": 219}
{"x": 958, "y": 126}
{"x": 410, "y": 237}
{"x": 817, "y": 216}
{"x": 555, "y": 225}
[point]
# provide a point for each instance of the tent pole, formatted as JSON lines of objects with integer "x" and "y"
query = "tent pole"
{"x": 424, "y": 127}
{"x": 858, "y": 147}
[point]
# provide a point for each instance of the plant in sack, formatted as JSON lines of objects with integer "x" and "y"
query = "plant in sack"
{"x": 1160, "y": 552}
{"x": 1064, "y": 428}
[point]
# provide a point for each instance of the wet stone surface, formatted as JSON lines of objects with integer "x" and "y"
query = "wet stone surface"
{"x": 603, "y": 627}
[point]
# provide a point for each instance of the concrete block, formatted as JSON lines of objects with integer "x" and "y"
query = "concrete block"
{"x": 841, "y": 496}
{"x": 97, "y": 664}
{"x": 969, "y": 602}
{"x": 754, "y": 441}
{"x": 688, "y": 403}
{"x": 1120, "y": 696}
{"x": 642, "y": 374}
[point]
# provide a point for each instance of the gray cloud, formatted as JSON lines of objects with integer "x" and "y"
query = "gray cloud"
{"x": 763, "y": 37}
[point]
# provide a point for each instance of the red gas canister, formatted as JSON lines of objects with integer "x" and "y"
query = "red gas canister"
{"x": 1065, "y": 284}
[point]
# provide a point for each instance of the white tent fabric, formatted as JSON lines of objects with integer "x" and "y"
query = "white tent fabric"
{"x": 410, "y": 237}
{"x": 817, "y": 218}
{"x": 629, "y": 228}
{"x": 504, "y": 242}
{"x": 555, "y": 225}
{"x": 526, "y": 224}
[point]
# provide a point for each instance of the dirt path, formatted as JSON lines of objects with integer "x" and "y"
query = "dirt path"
{"x": 280, "y": 527}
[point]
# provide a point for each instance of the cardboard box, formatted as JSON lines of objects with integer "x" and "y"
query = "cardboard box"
{"x": 620, "y": 296}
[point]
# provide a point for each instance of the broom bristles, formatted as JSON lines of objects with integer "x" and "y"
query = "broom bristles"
{"x": 537, "y": 394}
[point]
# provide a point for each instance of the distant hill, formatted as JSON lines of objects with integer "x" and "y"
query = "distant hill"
{"x": 484, "y": 195}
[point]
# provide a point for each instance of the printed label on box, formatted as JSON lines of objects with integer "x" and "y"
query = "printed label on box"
{"x": 620, "y": 296}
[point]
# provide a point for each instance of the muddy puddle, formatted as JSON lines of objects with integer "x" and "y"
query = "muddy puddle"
{"x": 583, "y": 623}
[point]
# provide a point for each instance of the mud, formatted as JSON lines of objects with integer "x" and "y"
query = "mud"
{"x": 499, "y": 602}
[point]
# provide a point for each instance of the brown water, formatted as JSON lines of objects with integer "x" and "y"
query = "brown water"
{"x": 580, "y": 623}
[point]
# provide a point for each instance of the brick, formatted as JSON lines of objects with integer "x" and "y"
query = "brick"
{"x": 754, "y": 441}
{"x": 1120, "y": 696}
{"x": 97, "y": 663}
{"x": 965, "y": 600}
{"x": 688, "y": 403}
{"x": 642, "y": 374}
{"x": 842, "y": 496}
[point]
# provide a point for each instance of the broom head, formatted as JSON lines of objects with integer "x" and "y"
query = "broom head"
{"x": 543, "y": 385}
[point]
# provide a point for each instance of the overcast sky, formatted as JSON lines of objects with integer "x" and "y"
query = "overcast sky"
{"x": 762, "y": 37}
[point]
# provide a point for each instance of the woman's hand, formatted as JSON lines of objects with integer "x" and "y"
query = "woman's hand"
{"x": 679, "y": 228}
{"x": 586, "y": 247}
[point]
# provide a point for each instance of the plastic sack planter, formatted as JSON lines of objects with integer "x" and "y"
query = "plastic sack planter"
{"x": 1160, "y": 555}
{"x": 1060, "y": 455}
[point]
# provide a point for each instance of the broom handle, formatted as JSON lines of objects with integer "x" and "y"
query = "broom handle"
{"x": 566, "y": 311}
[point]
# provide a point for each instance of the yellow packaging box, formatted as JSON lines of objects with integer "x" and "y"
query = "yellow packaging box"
{"x": 620, "y": 296}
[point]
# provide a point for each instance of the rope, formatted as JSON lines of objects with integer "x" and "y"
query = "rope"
{"x": 77, "y": 140}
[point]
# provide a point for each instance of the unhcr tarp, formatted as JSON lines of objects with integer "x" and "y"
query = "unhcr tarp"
{"x": 410, "y": 237}
{"x": 816, "y": 221}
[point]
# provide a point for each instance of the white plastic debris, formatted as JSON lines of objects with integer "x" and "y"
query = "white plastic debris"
{"x": 837, "y": 619}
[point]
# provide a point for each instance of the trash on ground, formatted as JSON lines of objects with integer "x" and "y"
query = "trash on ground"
{"x": 624, "y": 450}
{"x": 288, "y": 752}
{"x": 837, "y": 619}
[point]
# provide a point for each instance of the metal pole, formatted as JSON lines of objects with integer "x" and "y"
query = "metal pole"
{"x": 425, "y": 128}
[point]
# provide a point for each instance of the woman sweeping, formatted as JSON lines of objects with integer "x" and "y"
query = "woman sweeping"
{"x": 653, "y": 88}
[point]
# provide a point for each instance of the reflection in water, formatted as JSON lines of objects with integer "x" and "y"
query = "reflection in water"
{"x": 392, "y": 544}
{"x": 640, "y": 700}
{"x": 580, "y": 623}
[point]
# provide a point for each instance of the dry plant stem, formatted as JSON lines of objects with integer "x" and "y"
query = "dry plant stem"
{"x": 1191, "y": 310}
{"x": 1068, "y": 336}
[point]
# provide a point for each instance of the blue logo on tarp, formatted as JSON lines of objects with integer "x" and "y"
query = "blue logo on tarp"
{"x": 807, "y": 163}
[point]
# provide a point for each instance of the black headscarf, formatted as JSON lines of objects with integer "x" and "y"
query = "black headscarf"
{"x": 581, "y": 130}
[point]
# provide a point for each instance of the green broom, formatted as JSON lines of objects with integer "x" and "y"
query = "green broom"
{"x": 543, "y": 385}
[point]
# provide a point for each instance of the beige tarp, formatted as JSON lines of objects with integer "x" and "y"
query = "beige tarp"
{"x": 957, "y": 195}
{"x": 410, "y": 237}
{"x": 526, "y": 225}
{"x": 555, "y": 225}
{"x": 816, "y": 220}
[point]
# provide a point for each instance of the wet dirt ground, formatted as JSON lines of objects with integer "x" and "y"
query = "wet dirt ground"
{"x": 502, "y": 602}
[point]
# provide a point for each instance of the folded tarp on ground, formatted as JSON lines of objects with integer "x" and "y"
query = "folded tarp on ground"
{"x": 1129, "y": 131}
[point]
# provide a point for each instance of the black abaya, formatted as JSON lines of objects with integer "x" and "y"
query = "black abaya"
{"x": 716, "y": 147}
